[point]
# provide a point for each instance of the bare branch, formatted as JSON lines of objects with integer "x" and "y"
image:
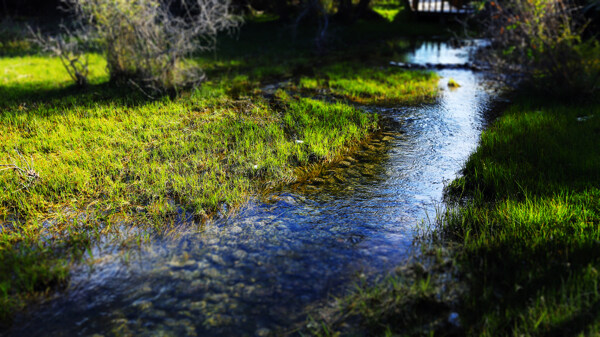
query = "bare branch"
{"x": 25, "y": 171}
{"x": 143, "y": 40}
{"x": 540, "y": 41}
{"x": 69, "y": 48}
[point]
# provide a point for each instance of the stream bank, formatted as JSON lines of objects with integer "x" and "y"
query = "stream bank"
{"x": 256, "y": 272}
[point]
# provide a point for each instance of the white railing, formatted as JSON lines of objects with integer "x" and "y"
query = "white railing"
{"x": 440, "y": 6}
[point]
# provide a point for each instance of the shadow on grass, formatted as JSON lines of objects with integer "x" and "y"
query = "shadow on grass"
{"x": 577, "y": 324}
{"x": 272, "y": 51}
{"x": 537, "y": 149}
{"x": 508, "y": 290}
{"x": 20, "y": 98}
{"x": 530, "y": 222}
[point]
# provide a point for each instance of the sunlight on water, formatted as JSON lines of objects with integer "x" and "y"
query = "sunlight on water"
{"x": 255, "y": 273}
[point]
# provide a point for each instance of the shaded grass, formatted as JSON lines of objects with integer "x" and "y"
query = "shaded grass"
{"x": 524, "y": 224}
{"x": 415, "y": 300}
{"x": 12, "y": 38}
{"x": 273, "y": 51}
{"x": 530, "y": 227}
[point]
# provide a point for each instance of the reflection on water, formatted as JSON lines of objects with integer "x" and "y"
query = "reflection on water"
{"x": 254, "y": 274}
{"x": 442, "y": 53}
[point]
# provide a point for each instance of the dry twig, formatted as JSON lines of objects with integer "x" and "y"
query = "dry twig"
{"x": 69, "y": 48}
{"x": 26, "y": 172}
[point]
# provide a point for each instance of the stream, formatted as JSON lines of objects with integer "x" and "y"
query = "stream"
{"x": 255, "y": 273}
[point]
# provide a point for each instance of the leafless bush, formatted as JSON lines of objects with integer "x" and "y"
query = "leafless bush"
{"x": 69, "y": 48}
{"x": 144, "y": 42}
{"x": 24, "y": 170}
{"x": 541, "y": 40}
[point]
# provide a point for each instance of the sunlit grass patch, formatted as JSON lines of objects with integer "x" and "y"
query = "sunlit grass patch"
{"x": 135, "y": 154}
{"x": 375, "y": 85}
{"x": 328, "y": 129}
{"x": 388, "y": 9}
{"x": 29, "y": 73}
{"x": 101, "y": 154}
{"x": 388, "y": 14}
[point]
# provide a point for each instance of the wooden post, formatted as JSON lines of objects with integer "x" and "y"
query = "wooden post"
{"x": 415, "y": 5}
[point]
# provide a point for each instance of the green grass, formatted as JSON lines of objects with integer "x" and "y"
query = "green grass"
{"x": 109, "y": 157}
{"x": 388, "y": 9}
{"x": 415, "y": 300}
{"x": 530, "y": 229}
{"x": 373, "y": 85}
{"x": 524, "y": 227}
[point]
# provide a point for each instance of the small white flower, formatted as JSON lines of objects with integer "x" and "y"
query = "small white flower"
{"x": 256, "y": 167}
{"x": 299, "y": 141}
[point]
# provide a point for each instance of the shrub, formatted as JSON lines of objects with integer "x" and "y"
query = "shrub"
{"x": 541, "y": 40}
{"x": 145, "y": 43}
{"x": 70, "y": 49}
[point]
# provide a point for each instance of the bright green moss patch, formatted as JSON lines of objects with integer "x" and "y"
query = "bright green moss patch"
{"x": 374, "y": 84}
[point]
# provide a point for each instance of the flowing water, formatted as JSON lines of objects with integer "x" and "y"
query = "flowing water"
{"x": 256, "y": 272}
